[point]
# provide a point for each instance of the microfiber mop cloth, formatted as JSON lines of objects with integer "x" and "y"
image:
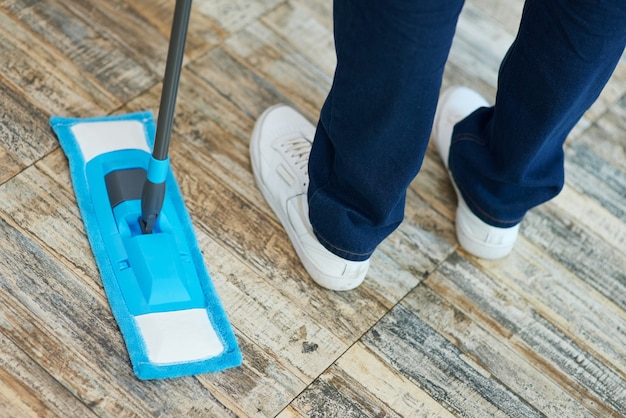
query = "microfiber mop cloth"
{"x": 157, "y": 284}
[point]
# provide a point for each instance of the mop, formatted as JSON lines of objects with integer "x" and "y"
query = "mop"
{"x": 140, "y": 232}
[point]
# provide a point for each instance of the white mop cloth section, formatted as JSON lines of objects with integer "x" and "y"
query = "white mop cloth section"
{"x": 179, "y": 336}
{"x": 96, "y": 138}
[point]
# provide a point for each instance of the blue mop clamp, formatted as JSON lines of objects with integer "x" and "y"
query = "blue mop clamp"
{"x": 153, "y": 193}
{"x": 157, "y": 284}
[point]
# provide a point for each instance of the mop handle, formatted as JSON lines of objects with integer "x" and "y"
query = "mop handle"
{"x": 172, "y": 76}
{"x": 154, "y": 188}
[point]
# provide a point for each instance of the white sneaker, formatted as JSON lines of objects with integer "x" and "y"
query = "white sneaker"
{"x": 474, "y": 235}
{"x": 279, "y": 150}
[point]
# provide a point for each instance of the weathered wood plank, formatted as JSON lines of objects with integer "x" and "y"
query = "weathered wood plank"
{"x": 17, "y": 401}
{"x": 237, "y": 82}
{"x": 283, "y": 66}
{"x": 508, "y": 13}
{"x": 389, "y": 386}
{"x": 123, "y": 25}
{"x": 428, "y": 236}
{"x": 270, "y": 327}
{"x": 260, "y": 387}
{"x": 433, "y": 186}
{"x": 584, "y": 210}
{"x": 143, "y": 28}
{"x": 9, "y": 163}
{"x": 27, "y": 390}
{"x": 40, "y": 206}
{"x": 492, "y": 354}
{"x": 438, "y": 367}
{"x": 336, "y": 394}
{"x": 206, "y": 107}
{"x": 314, "y": 39}
{"x": 580, "y": 312}
{"x": 94, "y": 48}
{"x": 479, "y": 45}
{"x": 24, "y": 134}
{"x": 489, "y": 301}
{"x": 388, "y": 278}
{"x": 47, "y": 78}
{"x": 234, "y": 15}
{"x": 200, "y": 108}
{"x": 593, "y": 176}
{"x": 580, "y": 250}
{"x": 203, "y": 33}
{"x": 289, "y": 412}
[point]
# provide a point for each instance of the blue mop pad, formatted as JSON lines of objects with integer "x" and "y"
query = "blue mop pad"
{"x": 158, "y": 287}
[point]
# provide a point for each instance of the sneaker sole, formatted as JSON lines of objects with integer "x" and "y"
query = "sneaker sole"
{"x": 480, "y": 248}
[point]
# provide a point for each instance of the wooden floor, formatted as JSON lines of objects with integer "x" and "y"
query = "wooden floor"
{"x": 432, "y": 331}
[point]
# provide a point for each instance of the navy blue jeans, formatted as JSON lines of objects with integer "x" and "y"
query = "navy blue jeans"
{"x": 376, "y": 122}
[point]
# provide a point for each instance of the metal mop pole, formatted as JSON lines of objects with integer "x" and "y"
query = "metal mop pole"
{"x": 154, "y": 187}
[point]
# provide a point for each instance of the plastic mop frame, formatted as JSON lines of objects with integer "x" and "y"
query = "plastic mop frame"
{"x": 142, "y": 237}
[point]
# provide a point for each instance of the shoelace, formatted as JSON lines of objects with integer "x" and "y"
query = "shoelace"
{"x": 298, "y": 149}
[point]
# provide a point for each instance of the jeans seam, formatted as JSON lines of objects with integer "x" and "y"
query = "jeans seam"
{"x": 326, "y": 243}
{"x": 469, "y": 137}
{"x": 482, "y": 211}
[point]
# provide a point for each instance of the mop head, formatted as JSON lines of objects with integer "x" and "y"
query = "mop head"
{"x": 157, "y": 284}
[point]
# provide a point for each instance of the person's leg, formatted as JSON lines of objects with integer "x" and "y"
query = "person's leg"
{"x": 508, "y": 158}
{"x": 375, "y": 124}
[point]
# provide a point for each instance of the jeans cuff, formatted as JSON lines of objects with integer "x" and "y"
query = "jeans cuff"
{"x": 345, "y": 254}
